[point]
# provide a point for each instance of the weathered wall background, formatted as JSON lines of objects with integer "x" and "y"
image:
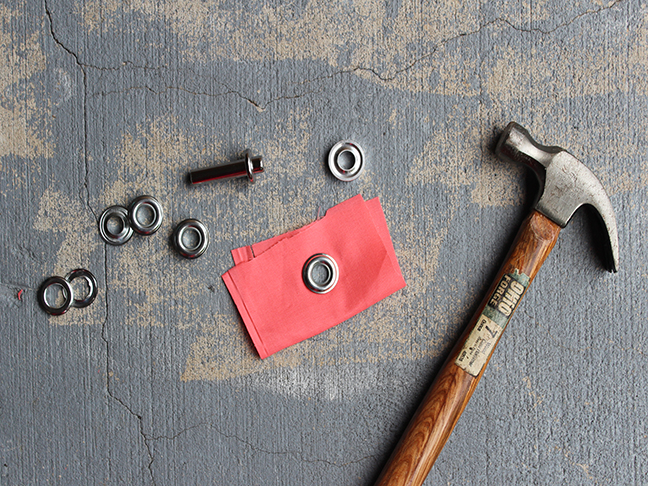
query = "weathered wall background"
{"x": 157, "y": 383}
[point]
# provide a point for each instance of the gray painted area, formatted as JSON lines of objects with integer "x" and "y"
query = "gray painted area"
{"x": 157, "y": 383}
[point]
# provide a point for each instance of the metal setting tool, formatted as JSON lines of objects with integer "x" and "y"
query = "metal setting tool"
{"x": 245, "y": 167}
{"x": 566, "y": 184}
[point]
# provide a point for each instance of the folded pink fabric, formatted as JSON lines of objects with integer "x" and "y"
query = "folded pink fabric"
{"x": 267, "y": 287}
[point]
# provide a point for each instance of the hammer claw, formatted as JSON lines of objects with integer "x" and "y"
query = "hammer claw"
{"x": 566, "y": 184}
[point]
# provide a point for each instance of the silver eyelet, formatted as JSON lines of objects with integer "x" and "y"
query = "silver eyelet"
{"x": 151, "y": 203}
{"x": 121, "y": 236}
{"x": 342, "y": 173}
{"x": 67, "y": 296}
{"x": 92, "y": 286}
{"x": 332, "y": 273}
{"x": 193, "y": 251}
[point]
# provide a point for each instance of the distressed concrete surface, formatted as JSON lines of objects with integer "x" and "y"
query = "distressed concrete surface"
{"x": 157, "y": 383}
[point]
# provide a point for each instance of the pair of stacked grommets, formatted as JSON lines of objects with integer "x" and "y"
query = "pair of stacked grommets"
{"x": 117, "y": 224}
{"x": 144, "y": 216}
{"x": 67, "y": 292}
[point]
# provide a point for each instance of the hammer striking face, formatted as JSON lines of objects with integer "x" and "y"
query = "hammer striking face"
{"x": 566, "y": 184}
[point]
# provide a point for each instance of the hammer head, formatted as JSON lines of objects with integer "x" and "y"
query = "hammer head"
{"x": 565, "y": 184}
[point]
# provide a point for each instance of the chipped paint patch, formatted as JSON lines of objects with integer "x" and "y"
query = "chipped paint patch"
{"x": 69, "y": 222}
{"x": 151, "y": 297}
{"x": 450, "y": 157}
{"x": 24, "y": 125}
{"x": 147, "y": 160}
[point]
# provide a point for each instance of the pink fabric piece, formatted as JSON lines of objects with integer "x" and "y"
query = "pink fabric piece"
{"x": 267, "y": 287}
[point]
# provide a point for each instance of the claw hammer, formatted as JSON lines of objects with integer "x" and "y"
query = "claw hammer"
{"x": 565, "y": 185}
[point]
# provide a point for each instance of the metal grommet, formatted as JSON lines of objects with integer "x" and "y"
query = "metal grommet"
{"x": 346, "y": 174}
{"x": 145, "y": 227}
{"x": 202, "y": 238}
{"x": 92, "y": 286}
{"x": 67, "y": 296}
{"x": 124, "y": 231}
{"x": 332, "y": 273}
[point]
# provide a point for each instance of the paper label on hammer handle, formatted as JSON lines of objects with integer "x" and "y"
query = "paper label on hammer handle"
{"x": 492, "y": 322}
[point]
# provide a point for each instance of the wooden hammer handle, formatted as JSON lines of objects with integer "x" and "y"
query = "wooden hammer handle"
{"x": 435, "y": 418}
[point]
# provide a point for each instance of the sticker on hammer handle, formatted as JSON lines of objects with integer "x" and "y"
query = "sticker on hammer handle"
{"x": 492, "y": 322}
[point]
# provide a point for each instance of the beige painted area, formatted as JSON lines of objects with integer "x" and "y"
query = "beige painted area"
{"x": 151, "y": 159}
{"x": 148, "y": 160}
{"x": 155, "y": 286}
{"x": 450, "y": 157}
{"x": 321, "y": 31}
{"x": 637, "y": 61}
{"x": 24, "y": 125}
{"x": 66, "y": 219}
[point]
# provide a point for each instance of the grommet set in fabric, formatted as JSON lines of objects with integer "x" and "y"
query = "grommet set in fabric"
{"x": 143, "y": 216}
{"x": 352, "y": 247}
{"x": 65, "y": 287}
{"x": 330, "y": 267}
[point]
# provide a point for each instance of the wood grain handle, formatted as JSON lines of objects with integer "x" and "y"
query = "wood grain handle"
{"x": 443, "y": 404}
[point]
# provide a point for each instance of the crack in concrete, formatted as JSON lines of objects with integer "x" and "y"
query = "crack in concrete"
{"x": 82, "y": 67}
{"x": 443, "y": 42}
{"x": 382, "y": 76}
{"x": 109, "y": 391}
{"x": 16, "y": 287}
{"x": 570, "y": 21}
{"x": 259, "y": 106}
{"x": 297, "y": 454}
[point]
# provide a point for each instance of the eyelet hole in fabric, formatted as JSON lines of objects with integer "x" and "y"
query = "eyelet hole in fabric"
{"x": 320, "y": 273}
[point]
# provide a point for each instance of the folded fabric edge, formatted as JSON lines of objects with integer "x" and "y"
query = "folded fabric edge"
{"x": 242, "y": 254}
{"x": 380, "y": 222}
{"x": 245, "y": 315}
{"x": 249, "y": 252}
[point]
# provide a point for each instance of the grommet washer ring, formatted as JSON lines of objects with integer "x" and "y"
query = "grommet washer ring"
{"x": 332, "y": 273}
{"x": 197, "y": 249}
{"x": 92, "y": 286}
{"x": 342, "y": 173}
{"x": 68, "y": 296}
{"x": 145, "y": 227}
{"x": 125, "y": 230}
